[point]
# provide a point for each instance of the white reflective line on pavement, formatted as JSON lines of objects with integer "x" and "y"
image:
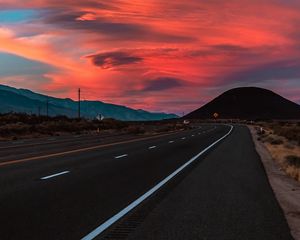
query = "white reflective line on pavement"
{"x": 54, "y": 175}
{"x": 123, "y": 212}
{"x": 152, "y": 147}
{"x": 121, "y": 156}
{"x": 171, "y": 141}
{"x": 183, "y": 138}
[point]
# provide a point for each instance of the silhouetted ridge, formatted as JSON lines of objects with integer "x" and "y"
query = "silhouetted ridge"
{"x": 248, "y": 103}
{"x": 26, "y": 101}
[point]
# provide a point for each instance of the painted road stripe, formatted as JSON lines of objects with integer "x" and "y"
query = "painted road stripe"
{"x": 183, "y": 138}
{"x": 121, "y": 156}
{"x": 193, "y": 135}
{"x": 54, "y": 175}
{"x": 171, "y": 141}
{"x": 152, "y": 147}
{"x": 76, "y": 150}
{"x": 122, "y": 213}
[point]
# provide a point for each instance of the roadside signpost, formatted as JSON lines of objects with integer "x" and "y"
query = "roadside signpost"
{"x": 216, "y": 115}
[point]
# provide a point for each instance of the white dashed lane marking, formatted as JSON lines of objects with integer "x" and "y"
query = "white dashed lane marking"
{"x": 121, "y": 156}
{"x": 54, "y": 175}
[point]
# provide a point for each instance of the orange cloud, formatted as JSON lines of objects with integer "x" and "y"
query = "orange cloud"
{"x": 206, "y": 47}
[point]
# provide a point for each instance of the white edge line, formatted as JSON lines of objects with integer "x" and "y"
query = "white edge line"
{"x": 135, "y": 203}
{"x": 121, "y": 156}
{"x": 152, "y": 147}
{"x": 54, "y": 175}
{"x": 171, "y": 141}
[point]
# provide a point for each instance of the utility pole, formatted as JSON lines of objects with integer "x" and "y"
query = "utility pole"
{"x": 78, "y": 103}
{"x": 47, "y": 107}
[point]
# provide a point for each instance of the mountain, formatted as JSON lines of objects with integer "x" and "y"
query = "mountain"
{"x": 248, "y": 103}
{"x": 26, "y": 101}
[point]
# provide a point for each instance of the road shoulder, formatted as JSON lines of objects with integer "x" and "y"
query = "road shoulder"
{"x": 286, "y": 189}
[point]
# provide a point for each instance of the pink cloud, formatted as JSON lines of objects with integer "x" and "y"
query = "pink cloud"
{"x": 203, "y": 47}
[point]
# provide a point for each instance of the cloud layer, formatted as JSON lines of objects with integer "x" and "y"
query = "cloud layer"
{"x": 150, "y": 54}
{"x": 113, "y": 59}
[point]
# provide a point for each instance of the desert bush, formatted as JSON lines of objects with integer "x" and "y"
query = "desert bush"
{"x": 18, "y": 124}
{"x": 276, "y": 142}
{"x": 135, "y": 130}
{"x": 293, "y": 160}
{"x": 14, "y": 129}
{"x": 112, "y": 124}
{"x": 165, "y": 129}
{"x": 289, "y": 146}
{"x": 290, "y": 131}
{"x": 268, "y": 139}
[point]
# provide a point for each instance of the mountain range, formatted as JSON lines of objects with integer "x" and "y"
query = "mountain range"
{"x": 248, "y": 103}
{"x": 26, "y": 101}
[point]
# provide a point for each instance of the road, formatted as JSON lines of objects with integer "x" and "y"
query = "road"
{"x": 196, "y": 184}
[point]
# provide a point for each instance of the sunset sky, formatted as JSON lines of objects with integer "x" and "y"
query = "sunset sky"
{"x": 158, "y": 55}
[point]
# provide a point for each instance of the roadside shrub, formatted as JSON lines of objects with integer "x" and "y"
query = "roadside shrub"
{"x": 112, "y": 124}
{"x": 15, "y": 129}
{"x": 268, "y": 139}
{"x": 165, "y": 129}
{"x": 293, "y": 161}
{"x": 276, "y": 142}
{"x": 291, "y": 132}
{"x": 135, "y": 130}
{"x": 289, "y": 146}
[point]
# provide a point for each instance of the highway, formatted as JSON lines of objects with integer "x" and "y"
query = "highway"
{"x": 204, "y": 183}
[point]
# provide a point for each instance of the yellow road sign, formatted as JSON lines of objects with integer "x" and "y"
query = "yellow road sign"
{"x": 216, "y": 115}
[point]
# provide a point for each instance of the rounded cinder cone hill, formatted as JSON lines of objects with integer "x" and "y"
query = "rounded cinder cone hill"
{"x": 248, "y": 103}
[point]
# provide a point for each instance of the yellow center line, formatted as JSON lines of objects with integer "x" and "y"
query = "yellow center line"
{"x": 80, "y": 150}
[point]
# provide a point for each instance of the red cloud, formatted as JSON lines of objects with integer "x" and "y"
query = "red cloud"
{"x": 200, "y": 47}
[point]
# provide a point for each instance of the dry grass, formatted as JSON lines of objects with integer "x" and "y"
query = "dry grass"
{"x": 284, "y": 150}
{"x": 289, "y": 130}
{"x": 15, "y": 126}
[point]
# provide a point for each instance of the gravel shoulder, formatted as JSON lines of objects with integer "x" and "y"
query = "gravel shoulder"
{"x": 286, "y": 189}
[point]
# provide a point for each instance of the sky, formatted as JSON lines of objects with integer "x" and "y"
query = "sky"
{"x": 157, "y": 55}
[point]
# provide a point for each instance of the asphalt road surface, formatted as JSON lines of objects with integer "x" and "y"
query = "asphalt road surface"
{"x": 196, "y": 184}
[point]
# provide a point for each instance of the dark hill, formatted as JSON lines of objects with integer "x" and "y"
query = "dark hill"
{"x": 248, "y": 103}
{"x": 26, "y": 101}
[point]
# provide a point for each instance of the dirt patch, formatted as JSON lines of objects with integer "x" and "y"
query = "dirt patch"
{"x": 286, "y": 189}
